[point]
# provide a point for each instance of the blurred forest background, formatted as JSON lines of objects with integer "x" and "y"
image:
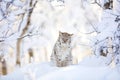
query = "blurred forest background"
{"x": 29, "y": 30}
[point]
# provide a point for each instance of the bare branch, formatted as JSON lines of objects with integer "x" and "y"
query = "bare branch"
{"x": 98, "y": 3}
{"x": 92, "y": 25}
{"x": 2, "y": 40}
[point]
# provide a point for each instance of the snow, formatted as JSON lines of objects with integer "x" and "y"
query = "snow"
{"x": 31, "y": 69}
{"x": 105, "y": 26}
{"x": 8, "y": 0}
{"x": 1, "y": 15}
{"x": 82, "y": 73}
{"x": 116, "y": 7}
{"x": 18, "y": 3}
{"x": 45, "y": 71}
{"x": 95, "y": 61}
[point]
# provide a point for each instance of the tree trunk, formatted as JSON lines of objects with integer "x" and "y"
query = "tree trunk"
{"x": 46, "y": 56}
{"x": 4, "y": 67}
{"x": 30, "y": 52}
{"x": 108, "y": 4}
{"x": 24, "y": 31}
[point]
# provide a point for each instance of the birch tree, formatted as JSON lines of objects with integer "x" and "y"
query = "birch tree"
{"x": 31, "y": 5}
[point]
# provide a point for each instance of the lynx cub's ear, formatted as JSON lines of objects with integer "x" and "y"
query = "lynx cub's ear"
{"x": 64, "y": 33}
{"x": 60, "y": 33}
{"x": 71, "y": 34}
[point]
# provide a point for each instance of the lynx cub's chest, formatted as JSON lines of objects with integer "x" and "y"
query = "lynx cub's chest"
{"x": 61, "y": 55}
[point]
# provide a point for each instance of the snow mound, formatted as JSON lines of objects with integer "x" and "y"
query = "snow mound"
{"x": 44, "y": 71}
{"x": 83, "y": 73}
{"x": 30, "y": 72}
{"x": 94, "y": 61}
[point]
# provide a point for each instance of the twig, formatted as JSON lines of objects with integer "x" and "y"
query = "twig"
{"x": 92, "y": 25}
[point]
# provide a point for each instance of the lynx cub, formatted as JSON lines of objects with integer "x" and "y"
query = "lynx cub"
{"x": 61, "y": 55}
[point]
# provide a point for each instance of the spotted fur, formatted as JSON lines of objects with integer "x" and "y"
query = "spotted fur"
{"x": 61, "y": 55}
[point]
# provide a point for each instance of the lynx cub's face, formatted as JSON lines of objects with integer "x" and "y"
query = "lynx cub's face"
{"x": 65, "y": 37}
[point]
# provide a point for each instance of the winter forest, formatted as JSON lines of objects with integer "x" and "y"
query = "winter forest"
{"x": 59, "y": 39}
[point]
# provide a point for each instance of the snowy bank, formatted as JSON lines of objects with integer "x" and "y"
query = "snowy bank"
{"x": 44, "y": 71}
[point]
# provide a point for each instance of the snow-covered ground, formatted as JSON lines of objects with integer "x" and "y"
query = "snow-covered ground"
{"x": 83, "y": 73}
{"x": 45, "y": 71}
